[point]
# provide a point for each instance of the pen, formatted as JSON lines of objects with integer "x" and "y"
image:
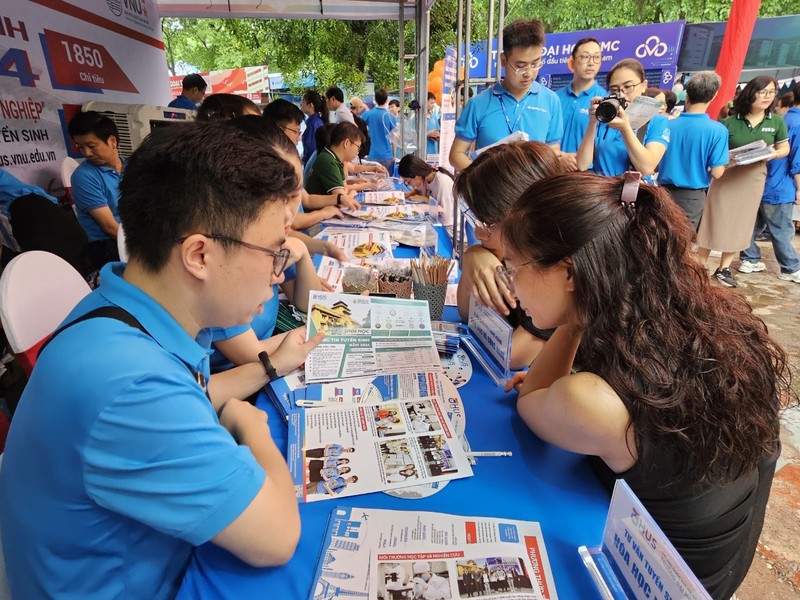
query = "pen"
{"x": 497, "y": 453}
{"x": 315, "y": 403}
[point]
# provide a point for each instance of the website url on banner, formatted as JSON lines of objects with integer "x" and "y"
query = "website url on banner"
{"x": 18, "y": 159}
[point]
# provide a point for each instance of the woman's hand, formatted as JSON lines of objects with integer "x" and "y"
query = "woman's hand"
{"x": 516, "y": 381}
{"x": 294, "y": 350}
{"x": 481, "y": 265}
{"x": 297, "y": 250}
{"x": 620, "y": 122}
{"x": 349, "y": 201}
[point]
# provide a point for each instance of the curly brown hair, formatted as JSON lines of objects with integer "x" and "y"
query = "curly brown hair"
{"x": 695, "y": 367}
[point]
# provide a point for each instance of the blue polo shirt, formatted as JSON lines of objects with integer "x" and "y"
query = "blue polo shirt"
{"x": 697, "y": 144}
{"x": 95, "y": 187}
{"x": 575, "y": 110}
{"x": 116, "y": 465}
{"x": 432, "y": 124}
{"x": 610, "y": 153}
{"x": 182, "y": 102}
{"x": 263, "y": 324}
{"x": 380, "y": 123}
{"x": 495, "y": 113}
{"x": 12, "y": 188}
{"x": 779, "y": 187}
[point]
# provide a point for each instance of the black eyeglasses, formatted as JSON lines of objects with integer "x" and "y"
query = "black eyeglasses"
{"x": 279, "y": 257}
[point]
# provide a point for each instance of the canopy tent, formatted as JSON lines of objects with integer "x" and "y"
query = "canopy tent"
{"x": 356, "y": 10}
{"x": 292, "y": 9}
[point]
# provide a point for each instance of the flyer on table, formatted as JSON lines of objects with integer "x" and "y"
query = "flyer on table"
{"x": 368, "y": 335}
{"x": 408, "y": 554}
{"x": 360, "y": 245}
{"x": 373, "y": 447}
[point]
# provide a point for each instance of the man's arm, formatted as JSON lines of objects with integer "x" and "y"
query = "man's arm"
{"x": 459, "y": 154}
{"x": 105, "y": 218}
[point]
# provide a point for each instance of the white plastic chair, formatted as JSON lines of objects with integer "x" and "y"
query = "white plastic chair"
{"x": 37, "y": 291}
{"x": 122, "y": 249}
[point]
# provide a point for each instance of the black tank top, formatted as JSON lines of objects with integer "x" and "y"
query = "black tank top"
{"x": 714, "y": 527}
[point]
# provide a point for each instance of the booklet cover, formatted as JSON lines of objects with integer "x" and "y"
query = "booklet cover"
{"x": 385, "y": 554}
{"x": 367, "y": 335}
{"x": 360, "y": 245}
{"x": 373, "y": 447}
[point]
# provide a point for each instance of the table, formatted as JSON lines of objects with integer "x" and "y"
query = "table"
{"x": 538, "y": 483}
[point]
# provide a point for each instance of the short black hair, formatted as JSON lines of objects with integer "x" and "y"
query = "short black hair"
{"x": 197, "y": 178}
{"x": 282, "y": 111}
{"x": 345, "y": 131}
{"x": 194, "y": 81}
{"x": 222, "y": 107}
{"x": 335, "y": 92}
{"x": 381, "y": 97}
{"x": 581, "y": 42}
{"x": 523, "y": 33}
{"x": 92, "y": 122}
{"x": 394, "y": 102}
{"x": 431, "y": 96}
{"x": 266, "y": 132}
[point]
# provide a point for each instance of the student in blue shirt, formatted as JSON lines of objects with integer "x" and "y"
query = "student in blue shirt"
{"x": 95, "y": 183}
{"x": 135, "y": 464}
{"x": 576, "y": 97}
{"x": 315, "y": 108}
{"x": 432, "y": 127}
{"x": 518, "y": 103}
{"x": 698, "y": 148}
{"x": 194, "y": 90}
{"x": 612, "y": 148}
{"x": 381, "y": 123}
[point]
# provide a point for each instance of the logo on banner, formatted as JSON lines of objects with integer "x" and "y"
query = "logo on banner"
{"x": 653, "y": 46}
{"x": 667, "y": 77}
{"x": 115, "y": 6}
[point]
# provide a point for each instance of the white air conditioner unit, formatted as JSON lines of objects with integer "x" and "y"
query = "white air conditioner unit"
{"x": 136, "y": 121}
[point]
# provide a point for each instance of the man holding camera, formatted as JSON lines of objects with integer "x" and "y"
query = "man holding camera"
{"x": 576, "y": 98}
{"x": 698, "y": 148}
{"x": 518, "y": 103}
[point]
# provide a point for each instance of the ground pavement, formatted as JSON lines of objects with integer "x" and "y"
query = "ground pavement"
{"x": 775, "y": 573}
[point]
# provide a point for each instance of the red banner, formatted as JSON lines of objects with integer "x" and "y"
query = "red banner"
{"x": 76, "y": 63}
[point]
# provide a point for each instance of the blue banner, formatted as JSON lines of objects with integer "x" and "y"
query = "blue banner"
{"x": 656, "y": 46}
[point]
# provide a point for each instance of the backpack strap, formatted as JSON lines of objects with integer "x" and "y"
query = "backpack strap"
{"x": 120, "y": 314}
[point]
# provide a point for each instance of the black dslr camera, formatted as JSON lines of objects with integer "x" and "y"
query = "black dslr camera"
{"x": 609, "y": 107}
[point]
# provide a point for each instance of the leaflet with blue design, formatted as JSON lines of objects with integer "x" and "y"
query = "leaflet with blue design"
{"x": 383, "y": 554}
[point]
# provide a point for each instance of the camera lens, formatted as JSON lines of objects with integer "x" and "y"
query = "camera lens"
{"x": 607, "y": 110}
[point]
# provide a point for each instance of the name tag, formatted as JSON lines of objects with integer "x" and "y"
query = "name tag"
{"x": 544, "y": 110}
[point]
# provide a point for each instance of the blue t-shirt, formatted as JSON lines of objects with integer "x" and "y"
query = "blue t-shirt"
{"x": 131, "y": 468}
{"x": 12, "y": 188}
{"x": 610, "y": 153}
{"x": 263, "y": 324}
{"x": 313, "y": 123}
{"x": 182, "y": 102}
{"x": 575, "y": 110}
{"x": 495, "y": 113}
{"x": 94, "y": 187}
{"x": 696, "y": 144}
{"x": 432, "y": 124}
{"x": 380, "y": 123}
{"x": 779, "y": 187}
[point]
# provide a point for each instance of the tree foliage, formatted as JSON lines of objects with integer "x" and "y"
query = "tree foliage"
{"x": 349, "y": 53}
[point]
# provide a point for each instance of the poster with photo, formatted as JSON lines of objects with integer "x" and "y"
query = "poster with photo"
{"x": 360, "y": 246}
{"x": 373, "y": 447}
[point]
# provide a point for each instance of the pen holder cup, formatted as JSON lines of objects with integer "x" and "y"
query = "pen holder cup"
{"x": 401, "y": 289}
{"x": 358, "y": 279}
{"x": 435, "y": 295}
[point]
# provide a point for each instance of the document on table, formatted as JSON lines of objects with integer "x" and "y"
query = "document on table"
{"x": 360, "y": 245}
{"x": 341, "y": 451}
{"x": 390, "y": 197}
{"x": 368, "y": 335}
{"x": 374, "y": 553}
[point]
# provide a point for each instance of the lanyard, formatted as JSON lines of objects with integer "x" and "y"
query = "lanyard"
{"x": 511, "y": 128}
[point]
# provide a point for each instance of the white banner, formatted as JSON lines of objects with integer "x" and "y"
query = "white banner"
{"x": 55, "y": 55}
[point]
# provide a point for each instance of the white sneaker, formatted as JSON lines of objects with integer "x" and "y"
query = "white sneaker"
{"x": 793, "y": 277}
{"x": 751, "y": 267}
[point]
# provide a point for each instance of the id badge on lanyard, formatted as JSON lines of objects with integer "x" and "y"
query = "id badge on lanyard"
{"x": 511, "y": 128}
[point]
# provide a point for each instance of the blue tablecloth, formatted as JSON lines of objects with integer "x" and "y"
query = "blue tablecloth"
{"x": 538, "y": 483}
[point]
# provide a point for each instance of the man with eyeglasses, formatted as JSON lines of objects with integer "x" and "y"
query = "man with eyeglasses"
{"x": 135, "y": 463}
{"x": 517, "y": 103}
{"x": 576, "y": 97}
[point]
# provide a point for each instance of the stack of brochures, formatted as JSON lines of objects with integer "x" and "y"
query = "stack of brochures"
{"x": 446, "y": 343}
{"x": 374, "y": 553}
{"x": 751, "y": 153}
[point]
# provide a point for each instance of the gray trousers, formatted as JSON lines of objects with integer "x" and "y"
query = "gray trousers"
{"x": 691, "y": 202}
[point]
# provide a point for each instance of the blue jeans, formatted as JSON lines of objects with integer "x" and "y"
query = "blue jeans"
{"x": 777, "y": 218}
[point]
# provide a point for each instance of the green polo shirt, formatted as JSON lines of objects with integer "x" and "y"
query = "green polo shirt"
{"x": 772, "y": 130}
{"x": 327, "y": 174}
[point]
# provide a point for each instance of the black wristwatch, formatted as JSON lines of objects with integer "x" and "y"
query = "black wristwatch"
{"x": 268, "y": 368}
{"x": 339, "y": 199}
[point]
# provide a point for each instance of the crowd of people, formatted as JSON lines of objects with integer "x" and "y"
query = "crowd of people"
{"x": 636, "y": 357}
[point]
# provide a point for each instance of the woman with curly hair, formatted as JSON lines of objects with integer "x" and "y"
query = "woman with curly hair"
{"x": 681, "y": 386}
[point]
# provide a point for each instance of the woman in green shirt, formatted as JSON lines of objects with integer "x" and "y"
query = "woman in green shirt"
{"x": 733, "y": 199}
